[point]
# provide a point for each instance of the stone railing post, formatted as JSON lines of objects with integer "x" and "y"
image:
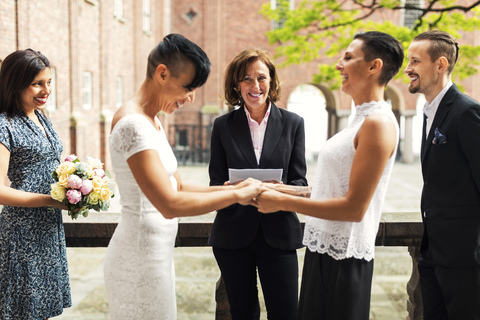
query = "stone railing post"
{"x": 414, "y": 303}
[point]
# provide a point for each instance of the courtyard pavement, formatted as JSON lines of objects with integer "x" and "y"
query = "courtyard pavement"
{"x": 197, "y": 272}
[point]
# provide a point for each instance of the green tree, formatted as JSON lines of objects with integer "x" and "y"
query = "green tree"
{"x": 324, "y": 28}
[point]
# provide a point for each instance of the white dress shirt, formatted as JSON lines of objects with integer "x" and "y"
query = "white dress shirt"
{"x": 257, "y": 131}
{"x": 430, "y": 109}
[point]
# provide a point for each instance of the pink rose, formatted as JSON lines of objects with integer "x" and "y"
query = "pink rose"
{"x": 99, "y": 172}
{"x": 74, "y": 182}
{"x": 86, "y": 187}
{"x": 71, "y": 157}
{"x": 74, "y": 196}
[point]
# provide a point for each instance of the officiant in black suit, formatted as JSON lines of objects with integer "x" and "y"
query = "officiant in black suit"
{"x": 257, "y": 134}
{"x": 449, "y": 263}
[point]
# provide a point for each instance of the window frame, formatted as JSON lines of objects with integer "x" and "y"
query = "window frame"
{"x": 118, "y": 91}
{"x": 146, "y": 16}
{"x": 118, "y": 11}
{"x": 279, "y": 24}
{"x": 87, "y": 90}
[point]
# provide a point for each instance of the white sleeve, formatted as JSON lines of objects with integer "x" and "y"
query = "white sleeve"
{"x": 132, "y": 134}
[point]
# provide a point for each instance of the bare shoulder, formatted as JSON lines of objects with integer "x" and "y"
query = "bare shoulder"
{"x": 378, "y": 122}
{"x": 377, "y": 131}
{"x": 123, "y": 111}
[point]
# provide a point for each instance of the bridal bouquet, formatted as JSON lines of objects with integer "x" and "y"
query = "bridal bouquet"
{"x": 81, "y": 186}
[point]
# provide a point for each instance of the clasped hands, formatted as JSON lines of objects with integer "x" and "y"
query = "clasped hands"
{"x": 262, "y": 195}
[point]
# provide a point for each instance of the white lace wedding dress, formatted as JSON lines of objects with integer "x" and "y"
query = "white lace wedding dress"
{"x": 138, "y": 269}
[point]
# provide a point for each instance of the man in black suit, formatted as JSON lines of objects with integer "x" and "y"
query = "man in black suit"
{"x": 449, "y": 263}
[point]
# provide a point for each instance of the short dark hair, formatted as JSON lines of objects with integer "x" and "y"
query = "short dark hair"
{"x": 17, "y": 72}
{"x": 441, "y": 44}
{"x": 236, "y": 72}
{"x": 174, "y": 51}
{"x": 379, "y": 45}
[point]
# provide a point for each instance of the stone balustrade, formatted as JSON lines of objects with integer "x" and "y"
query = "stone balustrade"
{"x": 396, "y": 229}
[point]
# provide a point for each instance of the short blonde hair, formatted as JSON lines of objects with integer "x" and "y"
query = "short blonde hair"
{"x": 236, "y": 72}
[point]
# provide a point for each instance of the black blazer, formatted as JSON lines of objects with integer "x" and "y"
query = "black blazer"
{"x": 451, "y": 192}
{"x": 231, "y": 147}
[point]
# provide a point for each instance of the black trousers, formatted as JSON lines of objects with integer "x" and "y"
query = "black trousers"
{"x": 450, "y": 293}
{"x": 335, "y": 289}
{"x": 278, "y": 273}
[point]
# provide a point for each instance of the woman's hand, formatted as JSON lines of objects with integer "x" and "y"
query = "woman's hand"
{"x": 56, "y": 204}
{"x": 247, "y": 190}
{"x": 272, "y": 185}
{"x": 269, "y": 201}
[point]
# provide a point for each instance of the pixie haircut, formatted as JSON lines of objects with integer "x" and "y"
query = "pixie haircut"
{"x": 441, "y": 44}
{"x": 379, "y": 45}
{"x": 236, "y": 72}
{"x": 17, "y": 72}
{"x": 175, "y": 51}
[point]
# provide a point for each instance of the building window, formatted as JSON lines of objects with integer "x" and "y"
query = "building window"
{"x": 118, "y": 91}
{"x": 275, "y": 4}
{"x": 52, "y": 99}
{"x": 146, "y": 15}
{"x": 87, "y": 88}
{"x": 411, "y": 16}
{"x": 118, "y": 8}
{"x": 182, "y": 139}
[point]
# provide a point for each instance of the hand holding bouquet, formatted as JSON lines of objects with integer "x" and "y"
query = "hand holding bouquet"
{"x": 82, "y": 186}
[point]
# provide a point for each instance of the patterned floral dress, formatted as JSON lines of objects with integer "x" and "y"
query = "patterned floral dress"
{"x": 34, "y": 282}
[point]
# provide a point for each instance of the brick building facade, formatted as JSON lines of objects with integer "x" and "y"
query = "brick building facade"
{"x": 99, "y": 49}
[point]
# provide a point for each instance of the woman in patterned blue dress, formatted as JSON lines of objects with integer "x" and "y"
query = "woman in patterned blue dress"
{"x": 34, "y": 282}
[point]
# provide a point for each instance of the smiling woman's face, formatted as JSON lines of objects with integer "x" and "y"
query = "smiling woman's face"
{"x": 176, "y": 93}
{"x": 255, "y": 85}
{"x": 35, "y": 96}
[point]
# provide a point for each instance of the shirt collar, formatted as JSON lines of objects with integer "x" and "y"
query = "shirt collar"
{"x": 430, "y": 109}
{"x": 265, "y": 118}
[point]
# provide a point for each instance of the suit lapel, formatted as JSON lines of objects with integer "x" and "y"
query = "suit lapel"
{"x": 273, "y": 133}
{"x": 442, "y": 111}
{"x": 241, "y": 135}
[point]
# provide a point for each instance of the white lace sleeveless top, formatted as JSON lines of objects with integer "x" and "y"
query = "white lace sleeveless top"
{"x": 341, "y": 239}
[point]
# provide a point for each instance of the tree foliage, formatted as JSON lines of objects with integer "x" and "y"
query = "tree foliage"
{"x": 324, "y": 28}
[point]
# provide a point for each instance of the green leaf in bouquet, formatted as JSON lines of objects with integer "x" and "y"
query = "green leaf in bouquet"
{"x": 55, "y": 175}
{"x": 81, "y": 168}
{"x": 73, "y": 214}
{"x": 96, "y": 207}
{"x": 105, "y": 205}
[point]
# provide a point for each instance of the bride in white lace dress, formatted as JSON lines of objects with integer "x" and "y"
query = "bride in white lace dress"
{"x": 348, "y": 190}
{"x": 138, "y": 269}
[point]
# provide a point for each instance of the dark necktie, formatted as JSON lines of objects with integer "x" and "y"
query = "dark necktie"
{"x": 424, "y": 134}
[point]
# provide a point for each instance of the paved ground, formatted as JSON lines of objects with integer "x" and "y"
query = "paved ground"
{"x": 197, "y": 272}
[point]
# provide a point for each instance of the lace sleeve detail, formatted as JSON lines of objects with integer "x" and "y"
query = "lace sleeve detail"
{"x": 131, "y": 135}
